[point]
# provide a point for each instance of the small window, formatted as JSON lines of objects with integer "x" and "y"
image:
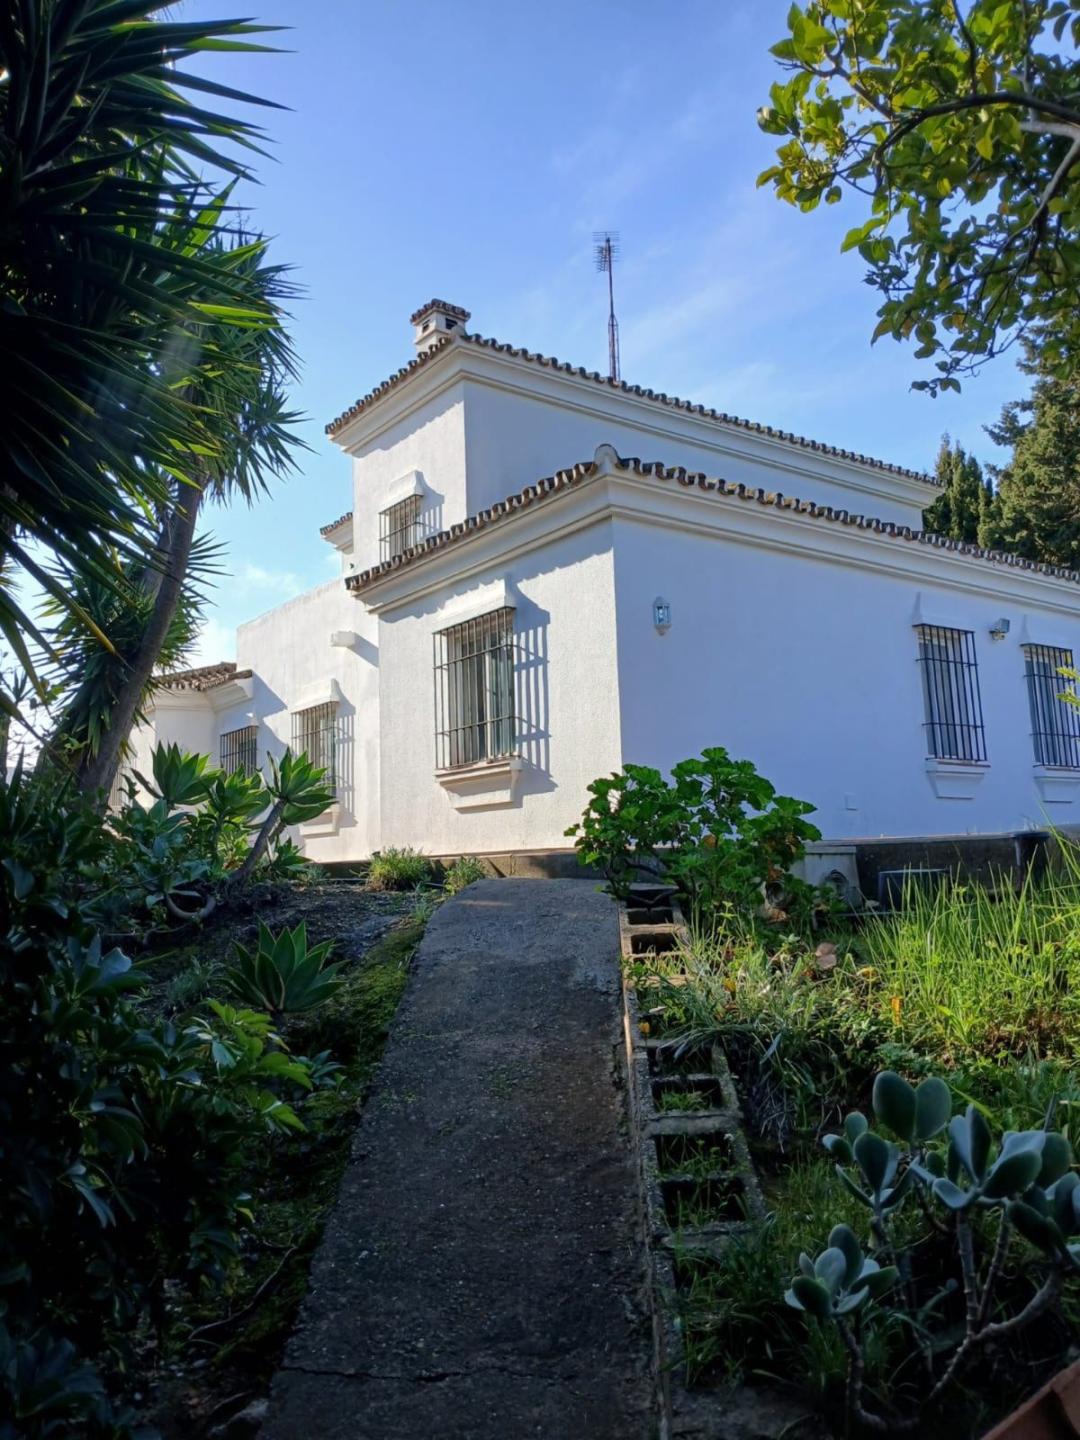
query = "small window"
{"x": 1055, "y": 724}
{"x": 315, "y": 734}
{"x": 238, "y": 750}
{"x": 399, "y": 527}
{"x": 954, "y": 719}
{"x": 474, "y": 690}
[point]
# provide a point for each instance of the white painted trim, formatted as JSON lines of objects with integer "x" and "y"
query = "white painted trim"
{"x": 483, "y": 785}
{"x": 954, "y": 779}
{"x": 1057, "y": 787}
{"x": 624, "y": 495}
{"x": 326, "y": 692}
{"x": 463, "y": 361}
{"x": 179, "y": 700}
{"x": 328, "y": 823}
{"x": 407, "y": 485}
{"x": 481, "y": 601}
{"x": 1044, "y": 633}
{"x": 231, "y": 693}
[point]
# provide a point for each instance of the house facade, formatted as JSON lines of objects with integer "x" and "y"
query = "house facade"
{"x": 523, "y": 606}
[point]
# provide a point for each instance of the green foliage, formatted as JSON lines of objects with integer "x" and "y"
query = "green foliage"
{"x": 958, "y": 127}
{"x": 105, "y": 126}
{"x": 203, "y": 828}
{"x": 398, "y": 869}
{"x": 1036, "y": 509}
{"x": 1025, "y": 1185}
{"x": 283, "y": 975}
{"x": 962, "y": 509}
{"x": 462, "y": 873}
{"x": 718, "y": 832}
{"x": 122, "y": 1137}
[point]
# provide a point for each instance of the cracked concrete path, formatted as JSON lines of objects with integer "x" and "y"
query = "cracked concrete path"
{"x": 481, "y": 1278}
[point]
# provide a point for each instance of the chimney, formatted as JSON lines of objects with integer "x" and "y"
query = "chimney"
{"x": 435, "y": 320}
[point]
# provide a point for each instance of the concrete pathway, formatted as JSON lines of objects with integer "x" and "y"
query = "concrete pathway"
{"x": 481, "y": 1275}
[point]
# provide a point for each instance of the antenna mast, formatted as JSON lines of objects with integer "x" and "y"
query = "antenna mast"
{"x": 607, "y": 252}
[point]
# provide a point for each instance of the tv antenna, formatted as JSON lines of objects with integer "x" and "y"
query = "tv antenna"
{"x": 607, "y": 252}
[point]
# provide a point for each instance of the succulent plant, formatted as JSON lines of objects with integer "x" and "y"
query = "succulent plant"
{"x": 951, "y": 1164}
{"x": 840, "y": 1280}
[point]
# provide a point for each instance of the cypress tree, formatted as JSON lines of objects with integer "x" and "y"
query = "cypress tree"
{"x": 1036, "y": 511}
{"x": 961, "y": 510}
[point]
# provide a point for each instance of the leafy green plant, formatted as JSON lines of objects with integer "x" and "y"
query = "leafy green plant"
{"x": 1022, "y": 1186}
{"x": 398, "y": 868}
{"x": 283, "y": 974}
{"x": 718, "y": 833}
{"x": 462, "y": 873}
{"x": 123, "y": 1137}
{"x": 206, "y": 831}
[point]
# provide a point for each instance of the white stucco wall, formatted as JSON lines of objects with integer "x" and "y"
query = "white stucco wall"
{"x": 515, "y": 437}
{"x": 566, "y": 693}
{"x": 807, "y": 666}
{"x": 289, "y": 649}
{"x": 429, "y": 438}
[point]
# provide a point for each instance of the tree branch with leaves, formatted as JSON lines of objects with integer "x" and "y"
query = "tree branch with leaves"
{"x": 958, "y": 124}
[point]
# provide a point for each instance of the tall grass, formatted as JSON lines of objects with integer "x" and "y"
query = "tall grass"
{"x": 982, "y": 987}
{"x": 964, "y": 971}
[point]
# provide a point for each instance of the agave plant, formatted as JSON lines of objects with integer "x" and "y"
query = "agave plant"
{"x": 283, "y": 975}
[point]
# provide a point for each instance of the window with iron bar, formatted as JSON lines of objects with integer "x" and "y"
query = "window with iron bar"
{"x": 1055, "y": 724}
{"x": 474, "y": 690}
{"x": 399, "y": 527}
{"x": 315, "y": 734}
{"x": 950, "y": 672}
{"x": 238, "y": 750}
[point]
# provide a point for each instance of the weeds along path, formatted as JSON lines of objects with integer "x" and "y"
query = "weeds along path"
{"x": 481, "y": 1276}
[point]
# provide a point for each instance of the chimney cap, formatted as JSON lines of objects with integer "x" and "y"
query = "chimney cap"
{"x": 444, "y": 307}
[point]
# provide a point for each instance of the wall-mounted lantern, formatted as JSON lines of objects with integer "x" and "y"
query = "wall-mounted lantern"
{"x": 999, "y": 629}
{"x": 661, "y": 614}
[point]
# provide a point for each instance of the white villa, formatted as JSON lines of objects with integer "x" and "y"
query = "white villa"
{"x": 525, "y": 605}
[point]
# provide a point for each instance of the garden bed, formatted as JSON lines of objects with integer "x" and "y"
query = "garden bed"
{"x": 746, "y": 1050}
{"x": 218, "y": 1354}
{"x": 698, "y": 1186}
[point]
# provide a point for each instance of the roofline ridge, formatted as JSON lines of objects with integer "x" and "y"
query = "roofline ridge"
{"x": 722, "y": 417}
{"x": 607, "y": 456}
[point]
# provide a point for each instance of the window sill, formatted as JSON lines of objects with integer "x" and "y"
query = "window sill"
{"x": 328, "y": 823}
{"x": 485, "y": 784}
{"x": 1057, "y": 786}
{"x": 954, "y": 779}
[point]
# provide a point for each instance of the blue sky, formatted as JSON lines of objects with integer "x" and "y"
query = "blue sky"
{"x": 469, "y": 148}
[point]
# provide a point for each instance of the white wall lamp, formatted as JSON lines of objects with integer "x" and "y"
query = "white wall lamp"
{"x": 661, "y": 614}
{"x": 999, "y": 629}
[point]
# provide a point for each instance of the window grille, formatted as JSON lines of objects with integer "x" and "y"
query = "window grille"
{"x": 315, "y": 734}
{"x": 238, "y": 750}
{"x": 399, "y": 527}
{"x": 954, "y": 718}
{"x": 1055, "y": 725}
{"x": 474, "y": 690}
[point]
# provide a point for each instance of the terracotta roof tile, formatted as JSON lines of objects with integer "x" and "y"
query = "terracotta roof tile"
{"x": 657, "y": 397}
{"x": 563, "y": 480}
{"x": 455, "y": 310}
{"x": 205, "y": 677}
{"x": 325, "y": 529}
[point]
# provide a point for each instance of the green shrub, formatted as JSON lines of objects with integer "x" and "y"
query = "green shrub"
{"x": 282, "y": 975}
{"x": 718, "y": 833}
{"x": 122, "y": 1139}
{"x": 398, "y": 869}
{"x": 463, "y": 872}
{"x": 205, "y": 831}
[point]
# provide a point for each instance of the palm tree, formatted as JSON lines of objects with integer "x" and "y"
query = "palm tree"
{"x": 102, "y": 126}
{"x": 232, "y": 378}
